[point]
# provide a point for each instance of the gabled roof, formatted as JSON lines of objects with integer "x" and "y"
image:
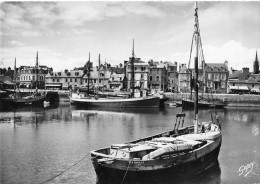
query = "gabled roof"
{"x": 216, "y": 65}
{"x": 251, "y": 80}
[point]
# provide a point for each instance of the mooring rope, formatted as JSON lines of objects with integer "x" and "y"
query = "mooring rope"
{"x": 65, "y": 170}
{"x": 126, "y": 172}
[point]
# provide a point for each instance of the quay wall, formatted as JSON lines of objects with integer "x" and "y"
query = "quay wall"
{"x": 232, "y": 100}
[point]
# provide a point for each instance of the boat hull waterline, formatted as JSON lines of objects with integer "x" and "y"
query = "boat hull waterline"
{"x": 189, "y": 104}
{"x": 37, "y": 100}
{"x": 117, "y": 102}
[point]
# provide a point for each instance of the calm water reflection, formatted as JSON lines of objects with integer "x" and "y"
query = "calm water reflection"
{"x": 39, "y": 143}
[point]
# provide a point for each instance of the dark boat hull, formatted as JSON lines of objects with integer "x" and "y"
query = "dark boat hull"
{"x": 162, "y": 101}
{"x": 174, "y": 173}
{"x": 37, "y": 100}
{"x": 118, "y": 103}
{"x": 189, "y": 104}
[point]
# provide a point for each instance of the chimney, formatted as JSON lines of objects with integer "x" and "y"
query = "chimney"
{"x": 245, "y": 70}
{"x": 226, "y": 64}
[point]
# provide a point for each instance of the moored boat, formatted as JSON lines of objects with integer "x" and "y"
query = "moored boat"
{"x": 176, "y": 154}
{"x": 203, "y": 103}
{"x": 17, "y": 99}
{"x": 114, "y": 102}
{"x": 84, "y": 99}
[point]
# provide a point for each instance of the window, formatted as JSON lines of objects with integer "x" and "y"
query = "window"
{"x": 70, "y": 79}
{"x": 253, "y": 85}
{"x": 223, "y": 84}
{"x": 99, "y": 80}
{"x": 210, "y": 76}
{"x": 95, "y": 80}
{"x": 142, "y": 76}
{"x": 58, "y": 80}
{"x": 151, "y": 78}
{"x": 33, "y": 78}
{"x": 157, "y": 78}
{"x": 75, "y": 79}
{"x": 66, "y": 80}
{"x": 216, "y": 76}
{"x": 53, "y": 80}
{"x": 223, "y": 76}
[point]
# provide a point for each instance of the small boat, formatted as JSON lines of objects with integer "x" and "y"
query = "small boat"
{"x": 175, "y": 154}
{"x": 27, "y": 100}
{"x": 203, "y": 103}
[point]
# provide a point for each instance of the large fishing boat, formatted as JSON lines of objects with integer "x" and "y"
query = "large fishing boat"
{"x": 87, "y": 100}
{"x": 176, "y": 154}
{"x": 16, "y": 98}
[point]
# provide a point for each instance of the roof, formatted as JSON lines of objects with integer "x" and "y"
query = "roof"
{"x": 63, "y": 74}
{"x": 216, "y": 65}
{"x": 235, "y": 74}
{"x": 251, "y": 80}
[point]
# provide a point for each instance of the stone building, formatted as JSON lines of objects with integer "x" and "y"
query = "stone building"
{"x": 157, "y": 76}
{"x": 141, "y": 73}
{"x": 243, "y": 81}
{"x": 75, "y": 79}
{"x": 184, "y": 79}
{"x": 30, "y": 76}
{"x": 216, "y": 77}
{"x": 213, "y": 78}
{"x": 64, "y": 79}
{"x": 172, "y": 75}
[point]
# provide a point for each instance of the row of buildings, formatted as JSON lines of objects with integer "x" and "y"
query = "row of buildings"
{"x": 151, "y": 75}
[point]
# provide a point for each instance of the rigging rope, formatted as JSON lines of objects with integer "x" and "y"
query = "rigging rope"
{"x": 66, "y": 169}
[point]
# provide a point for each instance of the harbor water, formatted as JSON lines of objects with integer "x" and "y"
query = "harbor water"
{"x": 52, "y": 144}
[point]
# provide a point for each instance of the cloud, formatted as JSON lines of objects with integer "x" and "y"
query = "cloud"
{"x": 234, "y": 52}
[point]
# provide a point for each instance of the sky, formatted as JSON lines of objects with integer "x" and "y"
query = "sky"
{"x": 64, "y": 32}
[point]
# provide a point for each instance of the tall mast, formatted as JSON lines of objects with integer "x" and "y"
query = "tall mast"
{"x": 98, "y": 69}
{"x": 14, "y": 78}
{"x": 133, "y": 67}
{"x": 88, "y": 70}
{"x": 37, "y": 66}
{"x": 197, "y": 40}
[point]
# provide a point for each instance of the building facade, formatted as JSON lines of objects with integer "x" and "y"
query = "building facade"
{"x": 216, "y": 77}
{"x": 243, "y": 81}
{"x": 141, "y": 73}
{"x": 157, "y": 78}
{"x": 75, "y": 79}
{"x": 172, "y": 74}
{"x": 28, "y": 76}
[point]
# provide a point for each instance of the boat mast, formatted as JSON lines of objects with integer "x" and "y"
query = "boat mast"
{"x": 14, "y": 78}
{"x": 88, "y": 72}
{"x": 37, "y": 66}
{"x": 98, "y": 70}
{"x": 197, "y": 39}
{"x": 133, "y": 67}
